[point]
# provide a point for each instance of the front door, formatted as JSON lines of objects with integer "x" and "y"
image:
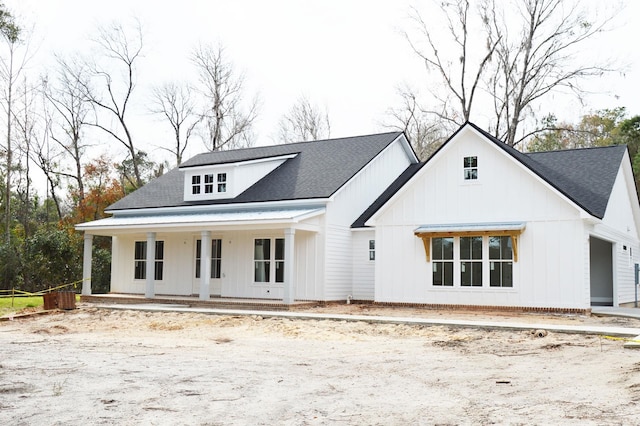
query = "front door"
{"x": 215, "y": 287}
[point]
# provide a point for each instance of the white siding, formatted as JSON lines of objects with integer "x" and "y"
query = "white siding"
{"x": 550, "y": 270}
{"x": 177, "y": 268}
{"x": 347, "y": 205}
{"x": 363, "y": 268}
{"x": 236, "y": 266}
{"x": 619, "y": 213}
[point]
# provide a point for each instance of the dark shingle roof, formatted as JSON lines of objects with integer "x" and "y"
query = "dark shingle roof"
{"x": 585, "y": 176}
{"x": 318, "y": 171}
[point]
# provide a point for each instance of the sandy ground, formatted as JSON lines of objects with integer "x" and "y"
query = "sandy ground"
{"x": 91, "y": 366}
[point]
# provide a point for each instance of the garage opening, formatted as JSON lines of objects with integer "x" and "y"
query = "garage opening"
{"x": 601, "y": 267}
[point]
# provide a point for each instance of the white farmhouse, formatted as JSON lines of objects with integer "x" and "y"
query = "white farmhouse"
{"x": 478, "y": 224}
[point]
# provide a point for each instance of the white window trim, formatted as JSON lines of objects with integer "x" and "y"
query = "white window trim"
{"x": 486, "y": 263}
{"x": 272, "y": 262}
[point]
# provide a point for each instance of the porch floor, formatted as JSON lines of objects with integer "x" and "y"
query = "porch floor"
{"x": 213, "y": 302}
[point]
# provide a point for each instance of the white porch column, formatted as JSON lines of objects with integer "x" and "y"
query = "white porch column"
{"x": 289, "y": 288}
{"x": 205, "y": 265}
{"x": 86, "y": 264}
{"x": 149, "y": 290}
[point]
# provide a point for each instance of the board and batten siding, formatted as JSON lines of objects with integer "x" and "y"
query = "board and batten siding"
{"x": 178, "y": 265}
{"x": 620, "y": 228}
{"x": 363, "y": 268}
{"x": 347, "y": 205}
{"x": 549, "y": 272}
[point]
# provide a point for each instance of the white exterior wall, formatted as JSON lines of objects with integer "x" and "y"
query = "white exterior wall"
{"x": 236, "y": 266}
{"x": 347, "y": 205}
{"x": 178, "y": 265}
{"x": 363, "y": 269}
{"x": 619, "y": 227}
{"x": 549, "y": 272}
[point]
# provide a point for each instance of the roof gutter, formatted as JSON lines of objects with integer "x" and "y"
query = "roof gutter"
{"x": 265, "y": 205}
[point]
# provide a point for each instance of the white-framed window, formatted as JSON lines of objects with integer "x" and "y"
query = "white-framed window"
{"x": 372, "y": 250}
{"x": 268, "y": 263}
{"x": 470, "y": 168}
{"x": 216, "y": 257}
{"x": 140, "y": 260}
{"x": 442, "y": 259}
{"x": 500, "y": 262}
{"x": 472, "y": 261}
{"x": 195, "y": 184}
{"x": 208, "y": 183}
{"x": 222, "y": 182}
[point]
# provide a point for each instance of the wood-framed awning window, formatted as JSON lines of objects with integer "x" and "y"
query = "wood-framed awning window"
{"x": 510, "y": 229}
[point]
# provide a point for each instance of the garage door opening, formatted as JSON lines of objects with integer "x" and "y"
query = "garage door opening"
{"x": 601, "y": 267}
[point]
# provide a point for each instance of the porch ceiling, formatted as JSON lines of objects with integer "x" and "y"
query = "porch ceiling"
{"x": 243, "y": 219}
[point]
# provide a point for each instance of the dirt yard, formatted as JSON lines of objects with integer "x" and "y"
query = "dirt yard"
{"x": 93, "y": 366}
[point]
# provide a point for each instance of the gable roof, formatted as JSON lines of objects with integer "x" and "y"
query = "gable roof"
{"x": 318, "y": 170}
{"x": 387, "y": 194}
{"x": 585, "y": 176}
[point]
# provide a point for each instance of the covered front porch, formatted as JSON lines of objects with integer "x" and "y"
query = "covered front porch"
{"x": 228, "y": 254}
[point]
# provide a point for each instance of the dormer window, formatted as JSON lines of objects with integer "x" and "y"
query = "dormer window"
{"x": 195, "y": 184}
{"x": 222, "y": 182}
{"x": 218, "y": 181}
{"x": 470, "y": 168}
{"x": 208, "y": 184}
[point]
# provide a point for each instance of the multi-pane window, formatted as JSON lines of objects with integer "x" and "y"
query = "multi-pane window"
{"x": 264, "y": 258}
{"x": 471, "y": 261}
{"x": 442, "y": 255}
{"x": 140, "y": 260}
{"x": 216, "y": 257}
{"x": 208, "y": 184}
{"x": 470, "y": 168}
{"x": 195, "y": 184}
{"x": 372, "y": 249}
{"x": 222, "y": 182}
{"x": 500, "y": 262}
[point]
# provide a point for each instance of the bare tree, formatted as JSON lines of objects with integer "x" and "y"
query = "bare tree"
{"x": 423, "y": 130}
{"x": 11, "y": 68}
{"x": 529, "y": 52}
{"x": 68, "y": 115}
{"x": 541, "y": 59}
{"x": 174, "y": 102}
{"x": 304, "y": 122}
{"x": 228, "y": 121}
{"x": 459, "y": 70}
{"x": 119, "y": 50}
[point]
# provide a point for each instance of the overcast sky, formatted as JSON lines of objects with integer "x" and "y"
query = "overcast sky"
{"x": 347, "y": 55}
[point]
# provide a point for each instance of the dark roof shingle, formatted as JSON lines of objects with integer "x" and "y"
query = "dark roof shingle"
{"x": 319, "y": 169}
{"x": 585, "y": 176}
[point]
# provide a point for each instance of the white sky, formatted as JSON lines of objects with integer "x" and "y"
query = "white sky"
{"x": 347, "y": 55}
